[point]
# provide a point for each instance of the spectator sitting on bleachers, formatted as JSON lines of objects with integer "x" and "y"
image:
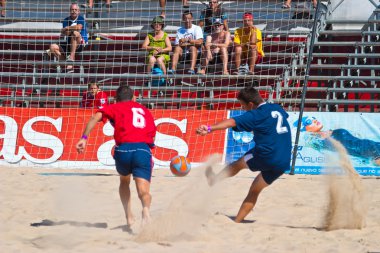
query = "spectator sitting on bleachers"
{"x": 288, "y": 3}
{"x": 90, "y": 4}
{"x": 208, "y": 15}
{"x": 94, "y": 97}
{"x": 3, "y": 4}
{"x": 248, "y": 46}
{"x": 163, "y": 5}
{"x": 216, "y": 45}
{"x": 189, "y": 40}
{"x": 75, "y": 30}
{"x": 158, "y": 44}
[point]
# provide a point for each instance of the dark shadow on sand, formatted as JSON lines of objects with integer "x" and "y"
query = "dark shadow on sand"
{"x": 47, "y": 222}
{"x": 244, "y": 221}
{"x": 314, "y": 228}
{"x": 233, "y": 218}
{"x": 124, "y": 228}
{"x": 74, "y": 174}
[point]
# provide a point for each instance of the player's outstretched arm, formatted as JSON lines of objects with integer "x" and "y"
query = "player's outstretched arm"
{"x": 81, "y": 145}
{"x": 227, "y": 123}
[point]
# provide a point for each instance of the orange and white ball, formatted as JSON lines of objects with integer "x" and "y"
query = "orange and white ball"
{"x": 180, "y": 166}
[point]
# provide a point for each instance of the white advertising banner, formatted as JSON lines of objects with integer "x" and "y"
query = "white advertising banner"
{"x": 359, "y": 133}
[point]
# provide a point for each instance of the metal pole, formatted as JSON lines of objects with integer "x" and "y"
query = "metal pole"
{"x": 304, "y": 89}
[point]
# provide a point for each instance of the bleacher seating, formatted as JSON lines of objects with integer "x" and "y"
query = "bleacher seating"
{"x": 340, "y": 60}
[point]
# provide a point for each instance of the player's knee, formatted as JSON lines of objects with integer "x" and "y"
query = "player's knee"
{"x": 144, "y": 195}
{"x": 125, "y": 179}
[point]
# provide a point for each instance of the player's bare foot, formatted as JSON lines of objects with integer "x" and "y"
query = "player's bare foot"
{"x": 130, "y": 220}
{"x": 145, "y": 216}
{"x": 210, "y": 176}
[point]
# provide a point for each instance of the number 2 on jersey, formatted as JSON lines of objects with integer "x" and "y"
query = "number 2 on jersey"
{"x": 138, "y": 118}
{"x": 279, "y": 128}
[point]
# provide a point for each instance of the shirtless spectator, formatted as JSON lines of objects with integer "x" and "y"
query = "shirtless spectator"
{"x": 217, "y": 43}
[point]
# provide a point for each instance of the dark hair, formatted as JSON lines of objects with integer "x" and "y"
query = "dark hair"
{"x": 187, "y": 13}
{"x": 250, "y": 94}
{"x": 124, "y": 93}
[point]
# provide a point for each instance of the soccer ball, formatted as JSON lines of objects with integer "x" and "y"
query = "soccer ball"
{"x": 180, "y": 166}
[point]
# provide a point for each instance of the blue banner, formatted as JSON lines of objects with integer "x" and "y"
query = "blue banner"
{"x": 359, "y": 133}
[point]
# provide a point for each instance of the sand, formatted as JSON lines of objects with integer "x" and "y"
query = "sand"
{"x": 347, "y": 198}
{"x": 187, "y": 215}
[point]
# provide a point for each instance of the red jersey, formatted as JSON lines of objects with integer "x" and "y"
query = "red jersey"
{"x": 97, "y": 101}
{"x": 132, "y": 122}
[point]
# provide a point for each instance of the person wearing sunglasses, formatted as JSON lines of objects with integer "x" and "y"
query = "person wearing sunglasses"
{"x": 216, "y": 46}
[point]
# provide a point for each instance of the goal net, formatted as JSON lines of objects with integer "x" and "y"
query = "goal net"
{"x": 43, "y": 115}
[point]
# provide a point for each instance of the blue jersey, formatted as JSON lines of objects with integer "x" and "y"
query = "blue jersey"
{"x": 78, "y": 21}
{"x": 272, "y": 135}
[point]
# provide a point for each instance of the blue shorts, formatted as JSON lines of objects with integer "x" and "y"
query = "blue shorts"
{"x": 135, "y": 159}
{"x": 258, "y": 164}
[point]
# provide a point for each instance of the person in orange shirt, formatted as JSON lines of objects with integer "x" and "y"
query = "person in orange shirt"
{"x": 94, "y": 97}
{"x": 248, "y": 46}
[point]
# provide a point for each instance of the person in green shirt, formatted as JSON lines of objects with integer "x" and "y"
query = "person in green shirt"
{"x": 158, "y": 45}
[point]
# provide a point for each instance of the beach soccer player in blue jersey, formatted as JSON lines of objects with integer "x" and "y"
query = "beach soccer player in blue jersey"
{"x": 272, "y": 152}
{"x": 134, "y": 135}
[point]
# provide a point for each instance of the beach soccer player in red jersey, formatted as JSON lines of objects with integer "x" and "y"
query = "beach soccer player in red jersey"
{"x": 134, "y": 135}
